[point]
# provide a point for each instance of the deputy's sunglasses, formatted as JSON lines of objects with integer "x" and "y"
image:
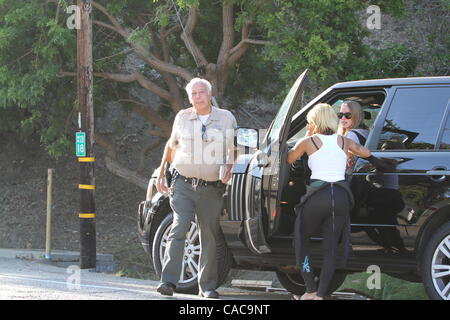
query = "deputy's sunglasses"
{"x": 348, "y": 115}
{"x": 204, "y": 137}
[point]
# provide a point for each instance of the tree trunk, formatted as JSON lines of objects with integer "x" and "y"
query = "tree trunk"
{"x": 131, "y": 176}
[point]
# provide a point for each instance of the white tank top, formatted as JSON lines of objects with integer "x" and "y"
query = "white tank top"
{"x": 330, "y": 161}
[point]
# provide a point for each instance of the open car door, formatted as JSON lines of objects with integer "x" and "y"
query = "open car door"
{"x": 263, "y": 178}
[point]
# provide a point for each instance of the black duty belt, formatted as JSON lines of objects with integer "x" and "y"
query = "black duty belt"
{"x": 200, "y": 182}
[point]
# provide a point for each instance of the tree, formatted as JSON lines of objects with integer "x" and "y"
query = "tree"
{"x": 164, "y": 34}
{"x": 32, "y": 48}
{"x": 241, "y": 46}
{"x": 327, "y": 37}
{"x": 151, "y": 37}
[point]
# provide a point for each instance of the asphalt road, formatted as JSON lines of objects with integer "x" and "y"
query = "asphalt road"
{"x": 33, "y": 280}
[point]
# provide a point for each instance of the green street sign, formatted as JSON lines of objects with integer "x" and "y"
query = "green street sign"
{"x": 81, "y": 144}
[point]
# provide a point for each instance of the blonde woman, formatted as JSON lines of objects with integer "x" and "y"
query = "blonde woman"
{"x": 351, "y": 122}
{"x": 328, "y": 199}
{"x": 351, "y": 125}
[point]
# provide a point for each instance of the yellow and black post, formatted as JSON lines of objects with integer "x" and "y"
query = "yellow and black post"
{"x": 88, "y": 250}
{"x": 86, "y": 159}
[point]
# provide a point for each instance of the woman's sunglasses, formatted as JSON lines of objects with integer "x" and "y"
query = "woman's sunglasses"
{"x": 348, "y": 115}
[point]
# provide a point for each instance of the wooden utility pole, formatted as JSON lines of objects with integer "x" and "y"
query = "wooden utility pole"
{"x": 48, "y": 237}
{"x": 86, "y": 107}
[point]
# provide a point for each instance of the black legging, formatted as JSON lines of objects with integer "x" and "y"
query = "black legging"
{"x": 317, "y": 211}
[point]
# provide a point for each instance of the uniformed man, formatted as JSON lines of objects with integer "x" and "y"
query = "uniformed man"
{"x": 202, "y": 142}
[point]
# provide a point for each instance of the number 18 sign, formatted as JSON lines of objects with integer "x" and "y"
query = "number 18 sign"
{"x": 81, "y": 144}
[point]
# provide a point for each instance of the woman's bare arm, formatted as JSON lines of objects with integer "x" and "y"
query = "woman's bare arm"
{"x": 382, "y": 165}
{"x": 357, "y": 149}
{"x": 297, "y": 151}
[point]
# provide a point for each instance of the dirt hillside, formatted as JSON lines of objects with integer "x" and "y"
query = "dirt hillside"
{"x": 23, "y": 194}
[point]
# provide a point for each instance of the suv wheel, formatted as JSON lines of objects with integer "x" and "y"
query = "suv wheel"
{"x": 293, "y": 282}
{"x": 189, "y": 274}
{"x": 436, "y": 264}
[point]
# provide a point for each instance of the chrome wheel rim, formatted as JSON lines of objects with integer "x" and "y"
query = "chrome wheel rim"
{"x": 440, "y": 268}
{"x": 191, "y": 256}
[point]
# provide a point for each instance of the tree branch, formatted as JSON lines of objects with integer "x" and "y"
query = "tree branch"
{"x": 186, "y": 36}
{"x": 145, "y": 150}
{"x": 103, "y": 142}
{"x": 113, "y": 166}
{"x": 130, "y": 176}
{"x": 239, "y": 50}
{"x": 125, "y": 77}
{"x": 151, "y": 116}
{"x": 105, "y": 25}
{"x": 116, "y": 25}
{"x": 142, "y": 80}
{"x": 139, "y": 49}
{"x": 170, "y": 80}
{"x": 165, "y": 33}
{"x": 228, "y": 33}
{"x": 116, "y": 54}
{"x": 157, "y": 133}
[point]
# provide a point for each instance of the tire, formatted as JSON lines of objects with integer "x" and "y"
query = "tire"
{"x": 142, "y": 226}
{"x": 293, "y": 282}
{"x": 188, "y": 282}
{"x": 436, "y": 264}
{"x": 148, "y": 220}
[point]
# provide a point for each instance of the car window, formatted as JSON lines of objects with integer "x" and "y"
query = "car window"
{"x": 413, "y": 119}
{"x": 274, "y": 131}
{"x": 370, "y": 110}
{"x": 299, "y": 135}
{"x": 302, "y": 103}
{"x": 370, "y": 101}
{"x": 445, "y": 141}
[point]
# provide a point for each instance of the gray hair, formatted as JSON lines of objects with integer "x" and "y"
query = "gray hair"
{"x": 191, "y": 83}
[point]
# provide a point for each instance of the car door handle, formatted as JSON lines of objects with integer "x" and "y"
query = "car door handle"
{"x": 438, "y": 173}
{"x": 263, "y": 163}
{"x": 262, "y": 160}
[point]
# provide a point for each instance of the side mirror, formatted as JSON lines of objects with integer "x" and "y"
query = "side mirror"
{"x": 246, "y": 137}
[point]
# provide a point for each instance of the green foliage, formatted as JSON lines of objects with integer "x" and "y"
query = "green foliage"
{"x": 325, "y": 36}
{"x": 390, "y": 288}
{"x": 396, "y": 60}
{"x": 162, "y": 16}
{"x": 318, "y": 35}
{"x": 251, "y": 78}
{"x": 33, "y": 49}
{"x": 396, "y": 8}
{"x": 140, "y": 36}
{"x": 187, "y": 3}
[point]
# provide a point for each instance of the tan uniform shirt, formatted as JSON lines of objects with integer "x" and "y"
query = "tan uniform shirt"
{"x": 201, "y": 150}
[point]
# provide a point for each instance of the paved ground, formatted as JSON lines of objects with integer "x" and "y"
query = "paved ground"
{"x": 25, "y": 274}
{"x": 34, "y": 280}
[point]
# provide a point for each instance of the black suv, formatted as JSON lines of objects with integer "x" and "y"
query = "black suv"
{"x": 403, "y": 230}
